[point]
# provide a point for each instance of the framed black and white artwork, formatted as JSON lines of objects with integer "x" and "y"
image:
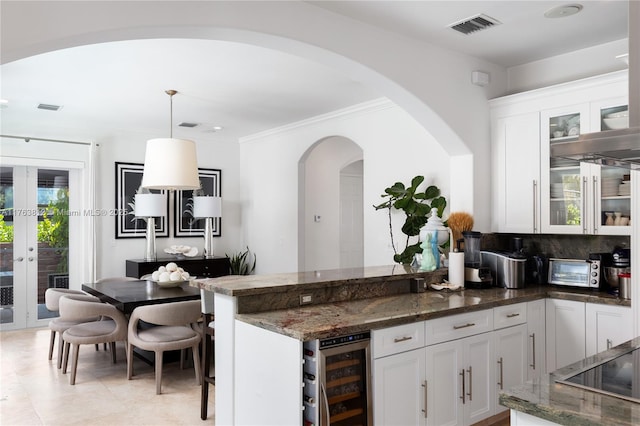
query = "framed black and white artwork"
{"x": 185, "y": 224}
{"x": 128, "y": 180}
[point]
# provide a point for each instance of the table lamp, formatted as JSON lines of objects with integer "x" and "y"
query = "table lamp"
{"x": 150, "y": 206}
{"x": 207, "y": 208}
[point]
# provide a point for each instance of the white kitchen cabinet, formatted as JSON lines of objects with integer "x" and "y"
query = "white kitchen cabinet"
{"x": 534, "y": 193}
{"x": 578, "y": 198}
{"x": 516, "y": 156}
{"x": 536, "y": 352}
{"x": 565, "y": 332}
{"x": 460, "y": 374}
{"x": 400, "y": 389}
{"x": 608, "y": 325}
{"x": 511, "y": 359}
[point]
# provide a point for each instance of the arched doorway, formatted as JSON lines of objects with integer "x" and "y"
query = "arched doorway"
{"x": 330, "y": 205}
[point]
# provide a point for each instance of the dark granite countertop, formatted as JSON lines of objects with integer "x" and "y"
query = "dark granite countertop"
{"x": 336, "y": 319}
{"x": 362, "y": 299}
{"x": 249, "y": 285}
{"x": 569, "y": 405}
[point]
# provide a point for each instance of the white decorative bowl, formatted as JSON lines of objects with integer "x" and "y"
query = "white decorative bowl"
{"x": 617, "y": 120}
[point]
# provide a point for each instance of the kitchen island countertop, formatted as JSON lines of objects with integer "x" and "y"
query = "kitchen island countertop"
{"x": 569, "y": 405}
{"x": 363, "y": 311}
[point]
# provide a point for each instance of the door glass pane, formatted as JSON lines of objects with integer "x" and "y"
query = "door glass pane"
{"x": 614, "y": 118}
{"x": 6, "y": 245}
{"x": 53, "y": 234}
{"x": 566, "y": 198}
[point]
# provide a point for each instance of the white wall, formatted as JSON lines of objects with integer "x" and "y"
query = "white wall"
{"x": 322, "y": 197}
{"x": 431, "y": 84}
{"x": 130, "y": 147}
{"x": 395, "y": 148}
{"x": 564, "y": 68}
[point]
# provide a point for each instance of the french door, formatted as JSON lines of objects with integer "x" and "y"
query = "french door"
{"x": 34, "y": 240}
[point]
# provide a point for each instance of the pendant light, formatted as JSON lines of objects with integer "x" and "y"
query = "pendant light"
{"x": 170, "y": 163}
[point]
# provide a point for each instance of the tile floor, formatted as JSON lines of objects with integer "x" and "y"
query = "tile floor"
{"x": 34, "y": 392}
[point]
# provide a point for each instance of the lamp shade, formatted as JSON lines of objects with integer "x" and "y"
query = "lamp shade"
{"x": 170, "y": 164}
{"x": 150, "y": 205}
{"x": 207, "y": 206}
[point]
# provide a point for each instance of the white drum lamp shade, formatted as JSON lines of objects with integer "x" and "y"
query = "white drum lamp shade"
{"x": 207, "y": 206}
{"x": 150, "y": 205}
{"x": 171, "y": 164}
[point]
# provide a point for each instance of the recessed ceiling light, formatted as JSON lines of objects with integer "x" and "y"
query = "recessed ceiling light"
{"x": 217, "y": 128}
{"x": 563, "y": 11}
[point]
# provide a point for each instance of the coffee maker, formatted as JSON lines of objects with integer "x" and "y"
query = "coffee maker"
{"x": 475, "y": 275}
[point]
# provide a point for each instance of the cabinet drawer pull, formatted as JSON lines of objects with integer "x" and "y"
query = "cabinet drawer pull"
{"x": 470, "y": 394}
{"x": 535, "y": 205}
{"x": 595, "y": 214}
{"x": 402, "y": 339}
{"x": 424, "y": 385}
{"x": 513, "y": 315}
{"x": 469, "y": 324}
{"x": 583, "y": 213}
{"x": 463, "y": 390}
{"x": 533, "y": 351}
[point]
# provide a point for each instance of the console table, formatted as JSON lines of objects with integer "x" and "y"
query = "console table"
{"x": 196, "y": 266}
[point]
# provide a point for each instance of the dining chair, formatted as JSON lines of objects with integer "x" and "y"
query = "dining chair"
{"x": 170, "y": 330}
{"x": 208, "y": 337}
{"x": 59, "y": 325}
{"x": 111, "y": 328}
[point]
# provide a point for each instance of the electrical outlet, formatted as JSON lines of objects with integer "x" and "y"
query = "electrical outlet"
{"x": 305, "y": 299}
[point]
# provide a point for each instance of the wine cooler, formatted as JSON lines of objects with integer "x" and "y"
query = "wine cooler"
{"x": 337, "y": 381}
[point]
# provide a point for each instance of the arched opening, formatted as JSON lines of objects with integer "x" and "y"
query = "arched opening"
{"x": 330, "y": 194}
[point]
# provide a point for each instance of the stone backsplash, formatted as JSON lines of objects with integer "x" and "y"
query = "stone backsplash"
{"x": 560, "y": 246}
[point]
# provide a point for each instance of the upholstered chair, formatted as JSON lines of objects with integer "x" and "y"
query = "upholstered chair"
{"x": 171, "y": 330}
{"x": 110, "y": 329}
{"x": 58, "y": 325}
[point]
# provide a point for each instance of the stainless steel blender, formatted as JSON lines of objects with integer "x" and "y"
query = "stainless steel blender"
{"x": 475, "y": 275}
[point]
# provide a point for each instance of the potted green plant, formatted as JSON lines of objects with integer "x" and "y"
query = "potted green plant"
{"x": 416, "y": 205}
{"x": 240, "y": 263}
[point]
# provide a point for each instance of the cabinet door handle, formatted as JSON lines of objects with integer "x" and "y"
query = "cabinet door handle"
{"x": 513, "y": 315}
{"x": 535, "y": 205}
{"x": 533, "y": 352}
{"x": 583, "y": 213}
{"x": 424, "y": 385}
{"x": 470, "y": 394}
{"x": 463, "y": 390}
{"x": 609, "y": 343}
{"x": 595, "y": 210}
{"x": 402, "y": 339}
{"x": 501, "y": 382}
{"x": 469, "y": 324}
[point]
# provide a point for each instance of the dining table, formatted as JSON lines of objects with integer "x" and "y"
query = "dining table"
{"x": 128, "y": 295}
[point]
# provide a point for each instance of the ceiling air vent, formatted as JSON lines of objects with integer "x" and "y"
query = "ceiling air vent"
{"x": 49, "y": 107}
{"x": 475, "y": 23}
{"x": 187, "y": 124}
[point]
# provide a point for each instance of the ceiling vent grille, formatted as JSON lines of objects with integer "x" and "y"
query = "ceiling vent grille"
{"x": 49, "y": 107}
{"x": 187, "y": 124}
{"x": 474, "y": 24}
